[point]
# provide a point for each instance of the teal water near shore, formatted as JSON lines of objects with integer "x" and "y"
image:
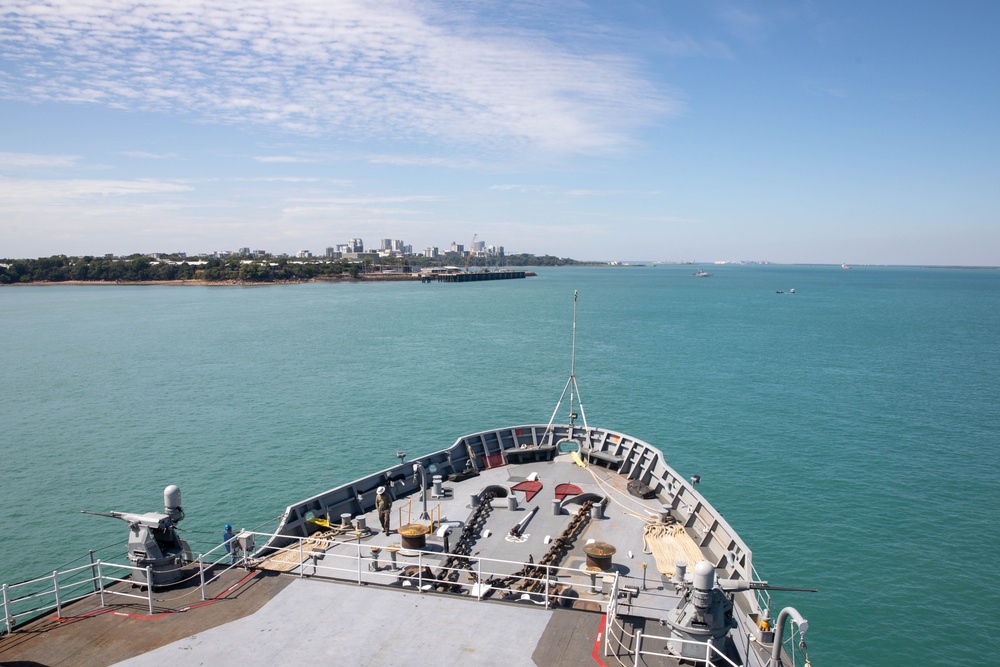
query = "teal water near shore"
{"x": 849, "y": 432}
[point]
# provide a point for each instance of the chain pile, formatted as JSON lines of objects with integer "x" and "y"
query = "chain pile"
{"x": 531, "y": 577}
{"x": 459, "y": 559}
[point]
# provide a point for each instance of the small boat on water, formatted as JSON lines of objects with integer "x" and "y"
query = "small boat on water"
{"x": 553, "y": 544}
{"x": 701, "y": 273}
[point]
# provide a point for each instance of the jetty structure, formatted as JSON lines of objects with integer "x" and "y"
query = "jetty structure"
{"x": 477, "y": 276}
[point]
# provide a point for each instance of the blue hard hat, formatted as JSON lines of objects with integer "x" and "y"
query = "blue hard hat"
{"x": 228, "y": 527}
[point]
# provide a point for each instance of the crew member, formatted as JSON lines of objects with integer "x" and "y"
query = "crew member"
{"x": 383, "y": 503}
{"x": 227, "y": 539}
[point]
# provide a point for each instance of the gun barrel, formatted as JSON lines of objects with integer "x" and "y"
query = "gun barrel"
{"x": 742, "y": 585}
{"x": 113, "y": 515}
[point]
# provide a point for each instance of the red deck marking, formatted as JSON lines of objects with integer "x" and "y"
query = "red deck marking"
{"x": 597, "y": 642}
{"x": 563, "y": 490}
{"x": 529, "y": 488}
{"x": 140, "y": 617}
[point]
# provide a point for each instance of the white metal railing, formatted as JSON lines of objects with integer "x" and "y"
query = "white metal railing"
{"x": 353, "y": 560}
{"x": 712, "y": 654}
{"x": 51, "y": 593}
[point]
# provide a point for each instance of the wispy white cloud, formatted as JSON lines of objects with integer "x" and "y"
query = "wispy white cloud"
{"x": 47, "y": 193}
{"x": 743, "y": 22}
{"x": 426, "y": 161}
{"x": 21, "y": 161}
{"x": 284, "y": 159}
{"x": 607, "y": 193}
{"x": 143, "y": 155}
{"x": 687, "y": 46}
{"x": 521, "y": 187}
{"x": 290, "y": 179}
{"x": 387, "y": 70}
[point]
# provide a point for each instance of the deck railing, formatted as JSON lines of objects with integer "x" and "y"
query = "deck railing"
{"x": 358, "y": 562}
{"x": 53, "y": 592}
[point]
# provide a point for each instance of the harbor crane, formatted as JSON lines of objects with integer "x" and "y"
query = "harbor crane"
{"x": 468, "y": 257}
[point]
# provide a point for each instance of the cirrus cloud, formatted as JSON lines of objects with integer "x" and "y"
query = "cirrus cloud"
{"x": 395, "y": 70}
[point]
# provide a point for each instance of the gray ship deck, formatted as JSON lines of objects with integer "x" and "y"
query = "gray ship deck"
{"x": 333, "y": 603}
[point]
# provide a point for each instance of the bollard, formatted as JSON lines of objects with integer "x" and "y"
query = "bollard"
{"x": 392, "y": 549}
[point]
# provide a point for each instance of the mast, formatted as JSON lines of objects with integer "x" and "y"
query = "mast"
{"x": 571, "y": 386}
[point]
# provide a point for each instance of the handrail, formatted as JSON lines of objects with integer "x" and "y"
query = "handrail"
{"x": 347, "y": 561}
{"x": 712, "y": 654}
{"x": 53, "y": 588}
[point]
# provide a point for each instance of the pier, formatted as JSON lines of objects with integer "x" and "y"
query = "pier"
{"x": 472, "y": 277}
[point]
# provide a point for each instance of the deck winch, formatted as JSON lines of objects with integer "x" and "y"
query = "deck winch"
{"x": 153, "y": 541}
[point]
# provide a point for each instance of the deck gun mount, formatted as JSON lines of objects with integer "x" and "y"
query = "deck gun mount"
{"x": 153, "y": 540}
{"x": 705, "y": 612}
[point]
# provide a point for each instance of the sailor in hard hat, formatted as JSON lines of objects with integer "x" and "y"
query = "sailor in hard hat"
{"x": 383, "y": 503}
{"x": 227, "y": 539}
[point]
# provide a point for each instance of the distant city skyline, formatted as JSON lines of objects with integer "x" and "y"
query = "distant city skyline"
{"x": 791, "y": 133}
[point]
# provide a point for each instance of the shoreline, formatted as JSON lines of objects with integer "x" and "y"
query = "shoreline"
{"x": 371, "y": 278}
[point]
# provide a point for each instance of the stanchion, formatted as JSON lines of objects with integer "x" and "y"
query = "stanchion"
{"x": 149, "y": 587}
{"x": 55, "y": 587}
{"x": 201, "y": 575}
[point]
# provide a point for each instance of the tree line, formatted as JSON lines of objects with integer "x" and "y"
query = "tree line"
{"x": 142, "y": 268}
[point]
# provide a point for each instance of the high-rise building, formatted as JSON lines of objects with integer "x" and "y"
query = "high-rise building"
{"x": 357, "y": 245}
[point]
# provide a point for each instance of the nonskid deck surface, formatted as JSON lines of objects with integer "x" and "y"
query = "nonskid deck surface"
{"x": 296, "y": 619}
{"x": 622, "y": 527}
{"x": 91, "y": 636}
{"x": 314, "y": 622}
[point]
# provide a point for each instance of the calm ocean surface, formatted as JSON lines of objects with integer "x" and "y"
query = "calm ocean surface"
{"x": 850, "y": 432}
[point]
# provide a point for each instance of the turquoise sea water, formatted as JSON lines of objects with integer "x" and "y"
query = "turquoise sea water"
{"x": 849, "y": 432}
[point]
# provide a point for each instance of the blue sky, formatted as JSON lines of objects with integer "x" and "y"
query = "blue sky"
{"x": 658, "y": 130}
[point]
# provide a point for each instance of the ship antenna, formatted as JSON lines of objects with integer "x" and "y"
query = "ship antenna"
{"x": 571, "y": 386}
